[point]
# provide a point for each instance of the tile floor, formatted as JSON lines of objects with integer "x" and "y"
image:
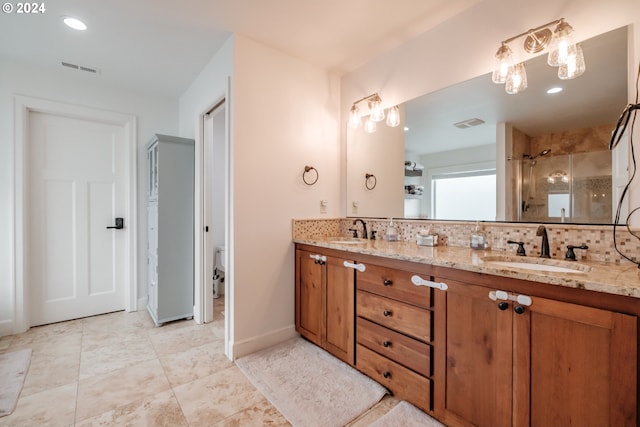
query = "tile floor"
{"x": 119, "y": 369}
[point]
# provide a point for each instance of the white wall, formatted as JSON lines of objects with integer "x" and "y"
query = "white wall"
{"x": 212, "y": 86}
{"x": 285, "y": 115}
{"x": 463, "y": 48}
{"x": 205, "y": 91}
{"x": 154, "y": 115}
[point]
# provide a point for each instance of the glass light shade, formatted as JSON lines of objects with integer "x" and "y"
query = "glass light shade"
{"x": 370, "y": 125}
{"x": 574, "y": 65}
{"x": 516, "y": 80}
{"x": 377, "y": 112}
{"x": 503, "y": 66}
{"x": 354, "y": 117}
{"x": 562, "y": 45}
{"x": 393, "y": 116}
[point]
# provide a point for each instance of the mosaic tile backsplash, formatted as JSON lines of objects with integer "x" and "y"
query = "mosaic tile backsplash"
{"x": 599, "y": 238}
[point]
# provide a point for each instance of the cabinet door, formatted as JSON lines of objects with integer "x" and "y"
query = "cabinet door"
{"x": 581, "y": 362}
{"x": 475, "y": 387}
{"x": 309, "y": 301}
{"x": 339, "y": 336}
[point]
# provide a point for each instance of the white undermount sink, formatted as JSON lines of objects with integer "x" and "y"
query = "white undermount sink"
{"x": 537, "y": 264}
{"x": 348, "y": 241}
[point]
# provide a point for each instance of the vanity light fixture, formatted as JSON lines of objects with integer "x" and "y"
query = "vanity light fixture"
{"x": 553, "y": 90}
{"x": 558, "y": 176}
{"x": 393, "y": 116}
{"x": 564, "y": 53}
{"x": 377, "y": 114}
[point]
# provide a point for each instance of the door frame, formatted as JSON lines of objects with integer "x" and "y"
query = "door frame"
{"x": 23, "y": 106}
{"x": 200, "y": 285}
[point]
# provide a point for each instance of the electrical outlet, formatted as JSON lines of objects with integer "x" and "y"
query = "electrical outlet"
{"x": 354, "y": 208}
{"x": 323, "y": 206}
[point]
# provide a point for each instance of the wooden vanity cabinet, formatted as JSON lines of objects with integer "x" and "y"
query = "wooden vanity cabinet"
{"x": 551, "y": 363}
{"x": 394, "y": 328}
{"x": 325, "y": 300}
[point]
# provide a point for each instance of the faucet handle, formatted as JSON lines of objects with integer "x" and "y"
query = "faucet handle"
{"x": 571, "y": 255}
{"x": 373, "y": 234}
{"x": 355, "y": 232}
{"x": 520, "y": 251}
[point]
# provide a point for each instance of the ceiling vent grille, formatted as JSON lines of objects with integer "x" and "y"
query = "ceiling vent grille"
{"x": 85, "y": 68}
{"x": 468, "y": 123}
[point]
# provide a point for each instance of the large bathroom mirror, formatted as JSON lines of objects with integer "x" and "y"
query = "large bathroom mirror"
{"x": 473, "y": 152}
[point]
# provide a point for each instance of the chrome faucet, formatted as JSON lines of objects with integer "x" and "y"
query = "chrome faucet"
{"x": 544, "y": 250}
{"x": 364, "y": 228}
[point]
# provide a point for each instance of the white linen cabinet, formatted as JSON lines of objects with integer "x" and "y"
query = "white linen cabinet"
{"x": 170, "y": 198}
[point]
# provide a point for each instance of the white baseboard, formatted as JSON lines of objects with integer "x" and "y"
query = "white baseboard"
{"x": 142, "y": 302}
{"x": 257, "y": 343}
{"x": 7, "y": 328}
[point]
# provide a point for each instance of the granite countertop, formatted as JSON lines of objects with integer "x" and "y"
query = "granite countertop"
{"x": 615, "y": 279}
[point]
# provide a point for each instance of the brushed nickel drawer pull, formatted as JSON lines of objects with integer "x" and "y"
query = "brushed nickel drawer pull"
{"x": 419, "y": 281}
{"x": 360, "y": 267}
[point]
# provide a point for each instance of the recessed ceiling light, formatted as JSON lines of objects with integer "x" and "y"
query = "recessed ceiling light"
{"x": 74, "y": 23}
{"x": 554, "y": 90}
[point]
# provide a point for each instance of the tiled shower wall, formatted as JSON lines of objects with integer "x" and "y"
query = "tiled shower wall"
{"x": 599, "y": 238}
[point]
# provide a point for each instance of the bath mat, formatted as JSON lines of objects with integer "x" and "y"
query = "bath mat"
{"x": 406, "y": 415}
{"x": 309, "y": 386}
{"x": 13, "y": 370}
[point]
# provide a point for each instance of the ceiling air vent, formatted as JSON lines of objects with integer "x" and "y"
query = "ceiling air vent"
{"x": 86, "y": 68}
{"x": 468, "y": 123}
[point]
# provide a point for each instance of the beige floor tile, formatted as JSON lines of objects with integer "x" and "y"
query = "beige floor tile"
{"x": 53, "y": 345}
{"x": 194, "y": 363}
{"x": 209, "y": 400}
{"x": 116, "y": 354}
{"x": 120, "y": 322}
{"x": 217, "y": 329}
{"x": 50, "y": 371}
{"x": 180, "y": 336}
{"x": 261, "y": 414}
{"x": 94, "y": 339}
{"x": 161, "y": 409}
{"x": 378, "y": 410}
{"x": 59, "y": 354}
{"x": 48, "y": 333}
{"x": 101, "y": 393}
{"x": 53, "y": 407}
{"x": 5, "y": 342}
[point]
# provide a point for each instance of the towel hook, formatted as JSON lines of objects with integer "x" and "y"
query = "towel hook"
{"x": 308, "y": 169}
{"x": 367, "y": 179}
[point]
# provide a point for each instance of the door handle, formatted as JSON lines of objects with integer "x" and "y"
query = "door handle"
{"x": 119, "y": 224}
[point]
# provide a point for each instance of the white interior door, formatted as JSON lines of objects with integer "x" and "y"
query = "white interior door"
{"x": 77, "y": 184}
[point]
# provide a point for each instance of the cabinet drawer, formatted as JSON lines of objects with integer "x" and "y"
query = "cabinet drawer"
{"x": 402, "y": 382}
{"x": 408, "y": 352}
{"x": 395, "y": 284}
{"x": 401, "y": 317}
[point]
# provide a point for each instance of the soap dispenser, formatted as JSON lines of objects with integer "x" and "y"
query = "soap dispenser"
{"x": 478, "y": 239}
{"x": 391, "y": 234}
